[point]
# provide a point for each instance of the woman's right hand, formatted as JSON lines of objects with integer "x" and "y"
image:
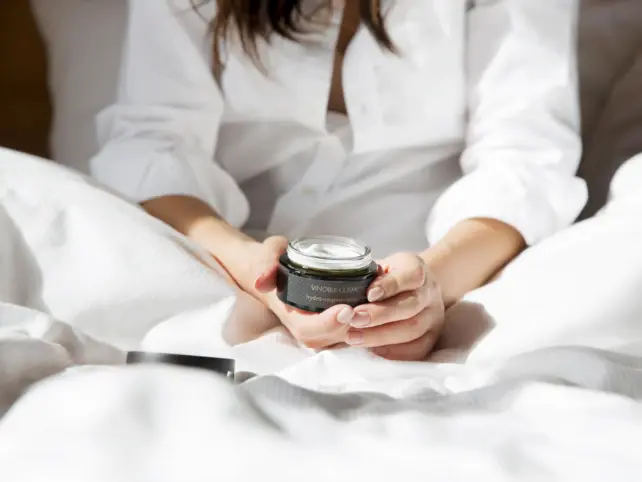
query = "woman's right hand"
{"x": 314, "y": 330}
{"x": 238, "y": 254}
{"x": 252, "y": 267}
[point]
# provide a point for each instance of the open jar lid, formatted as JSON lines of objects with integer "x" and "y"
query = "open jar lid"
{"x": 329, "y": 253}
{"x": 224, "y": 366}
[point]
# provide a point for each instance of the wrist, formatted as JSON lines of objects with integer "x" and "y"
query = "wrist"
{"x": 232, "y": 249}
{"x": 471, "y": 254}
{"x": 200, "y": 223}
{"x": 439, "y": 261}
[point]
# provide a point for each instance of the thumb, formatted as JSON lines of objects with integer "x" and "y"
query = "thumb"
{"x": 275, "y": 246}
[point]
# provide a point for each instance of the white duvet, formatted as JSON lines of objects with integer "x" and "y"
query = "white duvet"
{"x": 84, "y": 276}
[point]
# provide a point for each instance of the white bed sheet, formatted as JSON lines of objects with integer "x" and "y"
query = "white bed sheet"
{"x": 118, "y": 279}
{"x": 579, "y": 287}
{"x": 449, "y": 423}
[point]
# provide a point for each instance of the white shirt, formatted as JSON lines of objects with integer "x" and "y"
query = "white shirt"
{"x": 477, "y": 117}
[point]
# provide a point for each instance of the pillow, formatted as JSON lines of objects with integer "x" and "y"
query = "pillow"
{"x": 84, "y": 39}
{"x": 99, "y": 274}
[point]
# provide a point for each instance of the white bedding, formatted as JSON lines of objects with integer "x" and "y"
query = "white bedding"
{"x": 84, "y": 275}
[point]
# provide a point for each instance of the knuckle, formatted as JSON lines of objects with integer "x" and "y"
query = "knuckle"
{"x": 393, "y": 286}
{"x": 418, "y": 275}
{"x": 431, "y": 281}
{"x": 375, "y": 315}
{"x": 414, "y": 303}
{"x": 430, "y": 297}
{"x": 412, "y": 259}
{"x": 423, "y": 322}
{"x": 389, "y": 284}
{"x": 276, "y": 244}
{"x": 414, "y": 323}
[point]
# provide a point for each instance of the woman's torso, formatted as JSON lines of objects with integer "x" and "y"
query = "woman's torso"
{"x": 375, "y": 177}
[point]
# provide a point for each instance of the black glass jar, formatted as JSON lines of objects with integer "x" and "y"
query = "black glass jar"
{"x": 222, "y": 366}
{"x": 319, "y": 272}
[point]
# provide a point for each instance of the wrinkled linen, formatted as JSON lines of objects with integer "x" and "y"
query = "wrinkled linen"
{"x": 86, "y": 276}
{"x": 565, "y": 414}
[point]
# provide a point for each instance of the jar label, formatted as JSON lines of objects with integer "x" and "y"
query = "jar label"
{"x": 313, "y": 294}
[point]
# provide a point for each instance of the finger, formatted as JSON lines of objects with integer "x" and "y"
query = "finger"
{"x": 266, "y": 281}
{"x": 404, "y": 272}
{"x": 394, "y": 333}
{"x": 415, "y": 350}
{"x": 317, "y": 330}
{"x": 400, "y": 307}
{"x": 274, "y": 246}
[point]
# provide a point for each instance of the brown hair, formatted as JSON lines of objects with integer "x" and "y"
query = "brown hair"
{"x": 260, "y": 19}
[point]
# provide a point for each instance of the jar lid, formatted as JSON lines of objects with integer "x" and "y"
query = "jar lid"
{"x": 224, "y": 366}
{"x": 329, "y": 253}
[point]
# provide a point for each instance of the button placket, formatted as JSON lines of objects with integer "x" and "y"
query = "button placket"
{"x": 305, "y": 196}
{"x": 360, "y": 86}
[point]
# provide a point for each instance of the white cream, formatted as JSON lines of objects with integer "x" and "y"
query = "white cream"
{"x": 329, "y": 253}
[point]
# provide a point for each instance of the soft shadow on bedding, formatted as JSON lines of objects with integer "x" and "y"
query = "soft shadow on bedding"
{"x": 20, "y": 275}
{"x": 466, "y": 324}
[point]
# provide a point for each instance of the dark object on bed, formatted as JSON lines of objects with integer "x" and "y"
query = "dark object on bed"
{"x": 318, "y": 272}
{"x": 223, "y": 366}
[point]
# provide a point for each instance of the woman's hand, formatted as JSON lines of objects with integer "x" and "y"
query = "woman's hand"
{"x": 402, "y": 322}
{"x": 250, "y": 267}
{"x": 406, "y": 311}
{"x": 314, "y": 330}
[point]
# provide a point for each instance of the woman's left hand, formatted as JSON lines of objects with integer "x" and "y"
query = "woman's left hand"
{"x": 405, "y": 314}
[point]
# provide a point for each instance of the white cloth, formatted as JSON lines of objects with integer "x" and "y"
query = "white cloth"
{"x": 76, "y": 253}
{"x": 71, "y": 252}
{"x": 566, "y": 414}
{"x": 490, "y": 83}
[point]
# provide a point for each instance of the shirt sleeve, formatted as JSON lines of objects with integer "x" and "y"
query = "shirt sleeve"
{"x": 159, "y": 137}
{"x": 523, "y": 142}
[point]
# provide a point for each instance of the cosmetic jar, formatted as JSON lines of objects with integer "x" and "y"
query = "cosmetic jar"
{"x": 316, "y": 273}
{"x": 222, "y": 366}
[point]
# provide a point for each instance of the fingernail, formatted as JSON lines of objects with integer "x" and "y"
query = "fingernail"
{"x": 259, "y": 280}
{"x": 264, "y": 281}
{"x": 360, "y": 320}
{"x": 345, "y": 316}
{"x": 375, "y": 294}
{"x": 355, "y": 338}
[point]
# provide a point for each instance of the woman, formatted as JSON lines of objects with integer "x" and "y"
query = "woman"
{"x": 302, "y": 117}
